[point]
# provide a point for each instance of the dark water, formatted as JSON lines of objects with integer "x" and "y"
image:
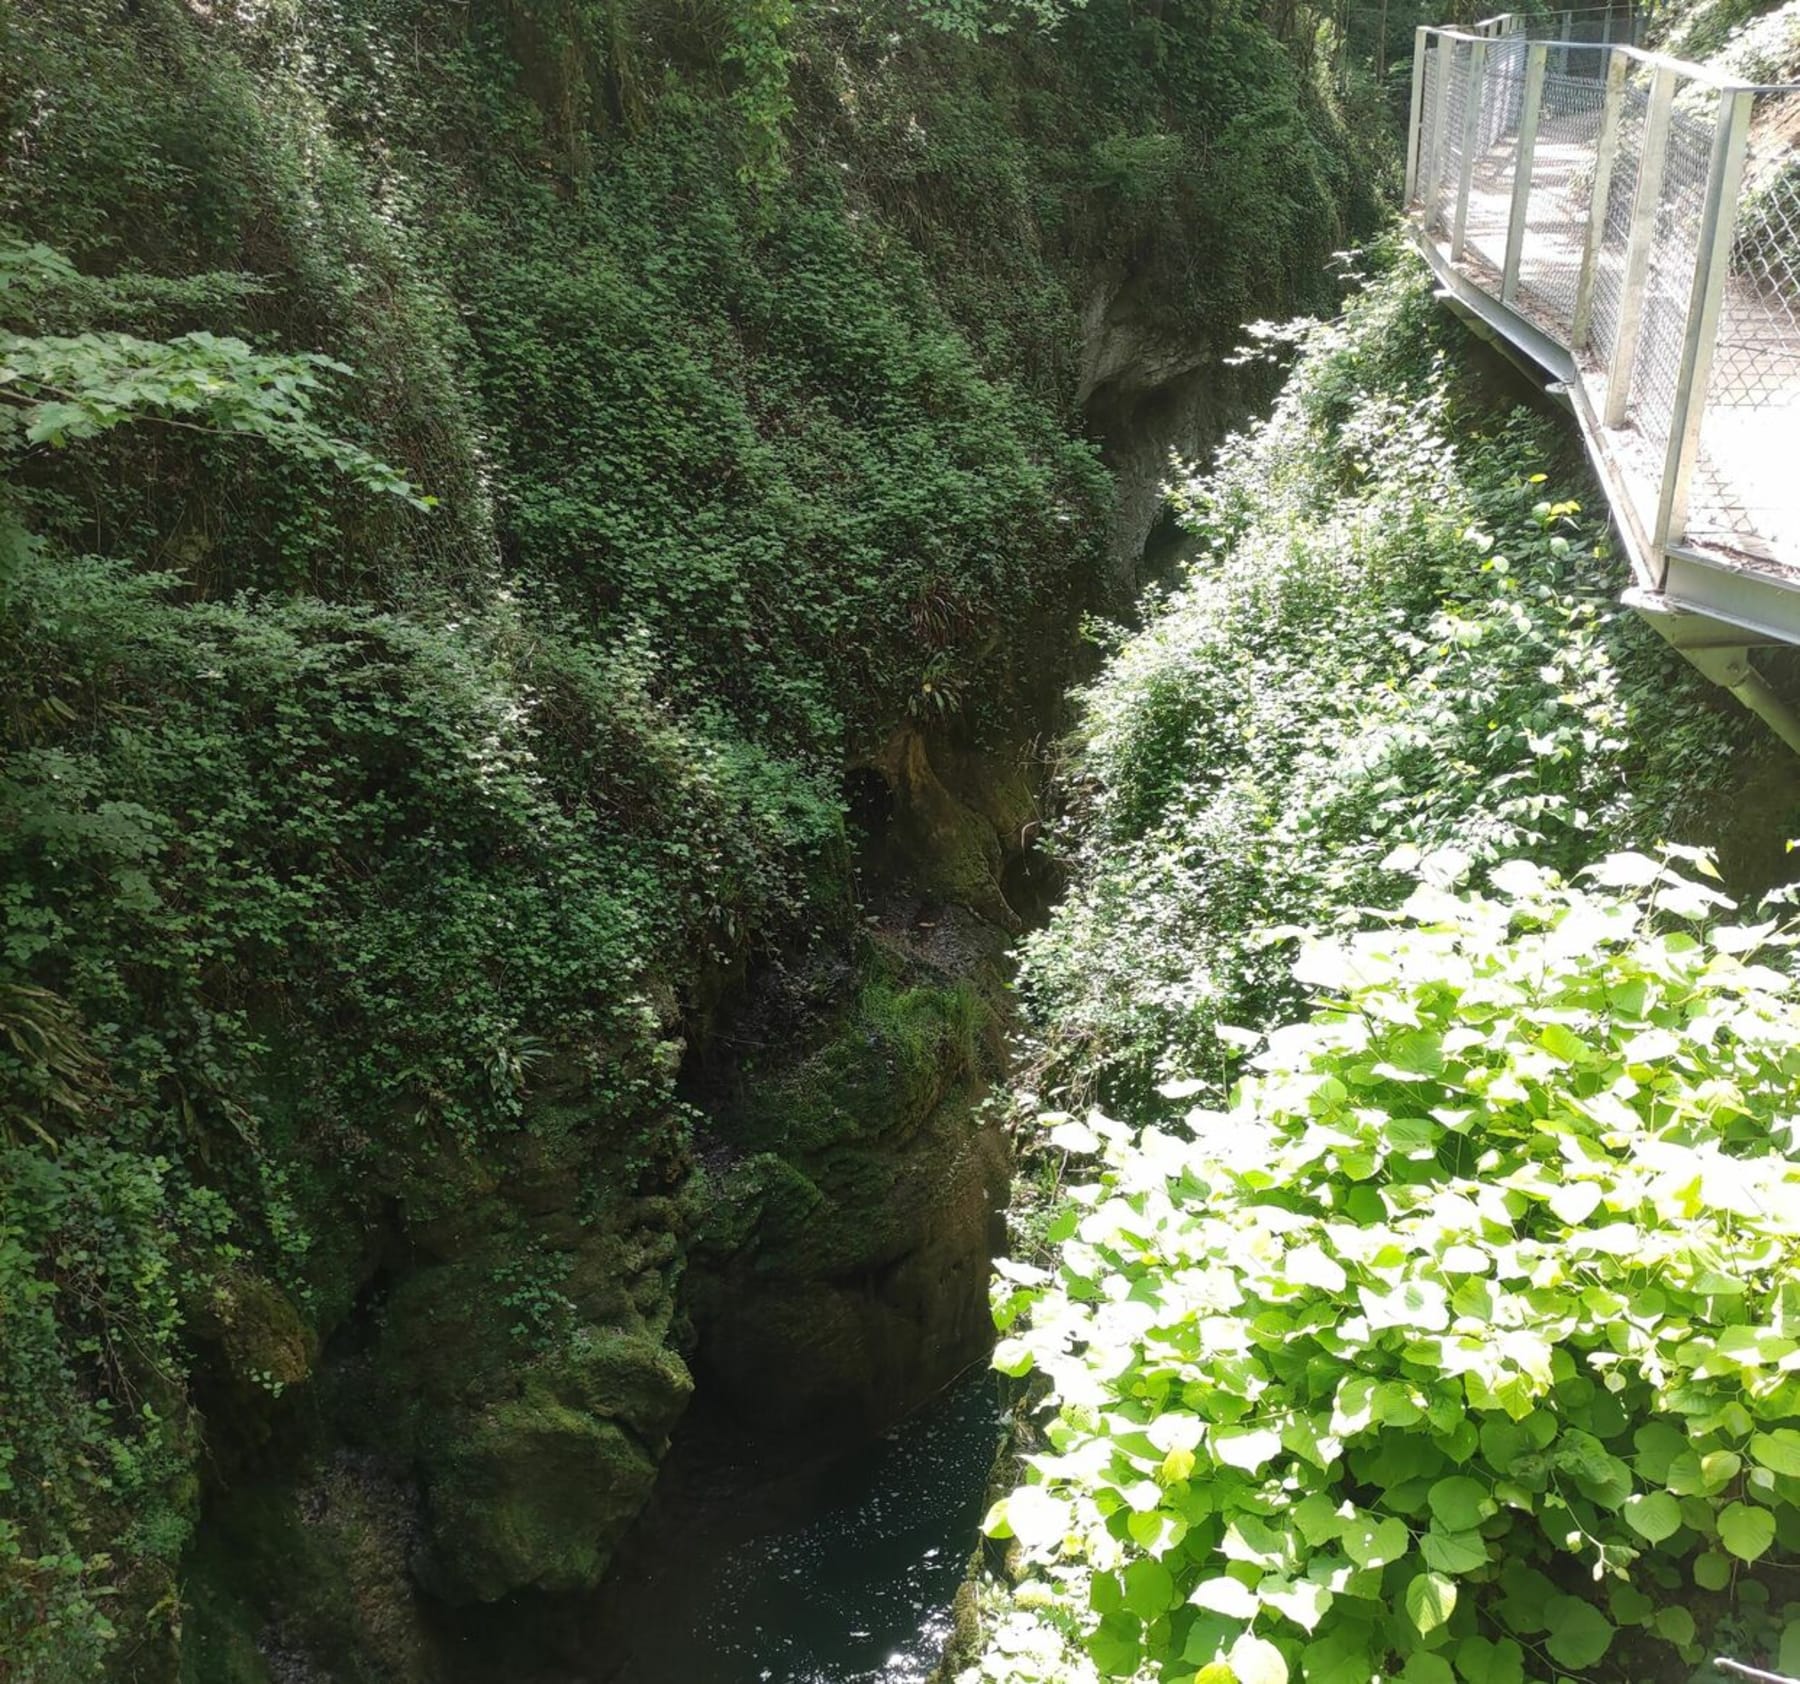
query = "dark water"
{"x": 844, "y": 1577}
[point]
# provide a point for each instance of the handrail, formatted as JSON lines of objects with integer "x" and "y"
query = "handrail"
{"x": 1639, "y": 55}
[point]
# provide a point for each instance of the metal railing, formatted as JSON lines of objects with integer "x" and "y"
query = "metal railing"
{"x": 1638, "y": 218}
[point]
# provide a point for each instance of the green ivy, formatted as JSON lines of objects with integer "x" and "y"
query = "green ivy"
{"x": 758, "y": 48}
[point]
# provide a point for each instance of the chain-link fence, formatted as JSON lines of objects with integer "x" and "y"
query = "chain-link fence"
{"x": 1613, "y": 238}
{"x": 1750, "y": 434}
{"x": 1645, "y": 216}
{"x": 1562, "y": 186}
{"x": 1451, "y": 68}
{"x": 1496, "y": 153}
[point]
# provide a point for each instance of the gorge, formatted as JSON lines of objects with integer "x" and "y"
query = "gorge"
{"x": 569, "y": 576}
{"x": 513, "y": 830}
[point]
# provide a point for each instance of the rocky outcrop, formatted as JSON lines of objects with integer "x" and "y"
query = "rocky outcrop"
{"x": 1149, "y": 394}
{"x": 536, "y": 1489}
{"x": 850, "y": 1193}
{"x": 840, "y": 1270}
{"x": 807, "y": 1247}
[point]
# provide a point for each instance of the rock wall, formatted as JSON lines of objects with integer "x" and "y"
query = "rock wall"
{"x": 480, "y": 975}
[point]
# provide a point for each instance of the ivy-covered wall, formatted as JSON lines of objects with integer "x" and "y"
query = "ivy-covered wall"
{"x": 373, "y": 877}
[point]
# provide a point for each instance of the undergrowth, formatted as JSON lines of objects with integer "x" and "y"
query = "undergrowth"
{"x": 1394, "y": 630}
{"x": 1417, "y": 1309}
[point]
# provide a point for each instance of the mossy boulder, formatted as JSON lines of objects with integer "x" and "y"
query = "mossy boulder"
{"x": 537, "y": 1490}
{"x": 879, "y": 1073}
{"x": 261, "y": 1334}
{"x": 843, "y": 1322}
{"x": 513, "y": 1359}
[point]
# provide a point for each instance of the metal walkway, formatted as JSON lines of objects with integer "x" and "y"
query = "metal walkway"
{"x": 1630, "y": 225}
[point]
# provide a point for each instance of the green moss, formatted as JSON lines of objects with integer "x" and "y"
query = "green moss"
{"x": 219, "y": 1631}
{"x": 263, "y": 1336}
{"x": 256, "y": 1539}
{"x": 889, "y": 1061}
{"x": 537, "y": 1490}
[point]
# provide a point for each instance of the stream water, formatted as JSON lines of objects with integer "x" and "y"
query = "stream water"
{"x": 843, "y": 1574}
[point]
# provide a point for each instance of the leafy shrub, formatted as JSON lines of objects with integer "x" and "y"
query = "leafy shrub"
{"x": 971, "y": 19}
{"x": 1758, "y": 40}
{"x": 61, "y": 388}
{"x": 1462, "y": 1344}
{"x": 1392, "y": 631}
{"x": 1766, "y": 238}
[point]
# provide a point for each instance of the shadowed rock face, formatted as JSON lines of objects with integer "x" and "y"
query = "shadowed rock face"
{"x": 1147, "y": 395}
{"x": 863, "y": 1286}
{"x": 526, "y": 1326}
{"x": 845, "y": 1223}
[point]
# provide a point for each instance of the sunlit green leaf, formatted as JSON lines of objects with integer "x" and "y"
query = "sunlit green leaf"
{"x": 1430, "y": 1600}
{"x": 1747, "y": 1531}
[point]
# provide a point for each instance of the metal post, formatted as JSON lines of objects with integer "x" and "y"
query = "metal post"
{"x": 1568, "y": 35}
{"x": 1440, "y": 121}
{"x": 1637, "y": 247}
{"x": 1417, "y": 122}
{"x": 1471, "y": 138}
{"x": 1606, "y": 148}
{"x": 1537, "y": 60}
{"x": 1712, "y": 268}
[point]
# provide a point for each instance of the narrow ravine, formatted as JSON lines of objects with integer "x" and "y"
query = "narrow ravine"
{"x": 541, "y": 550}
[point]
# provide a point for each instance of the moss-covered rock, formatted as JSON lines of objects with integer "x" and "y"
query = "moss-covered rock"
{"x": 950, "y": 847}
{"x": 536, "y": 1491}
{"x": 262, "y": 1335}
{"x": 839, "y": 1270}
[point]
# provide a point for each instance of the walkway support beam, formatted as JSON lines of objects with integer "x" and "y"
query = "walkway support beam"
{"x": 1712, "y": 267}
{"x": 1732, "y": 669}
{"x": 1537, "y": 59}
{"x": 1638, "y": 245}
{"x": 1471, "y": 140}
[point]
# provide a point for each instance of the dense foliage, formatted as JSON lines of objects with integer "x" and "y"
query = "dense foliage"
{"x": 1459, "y": 1344}
{"x": 1393, "y": 630}
{"x": 572, "y": 434}
{"x": 1420, "y": 1309}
